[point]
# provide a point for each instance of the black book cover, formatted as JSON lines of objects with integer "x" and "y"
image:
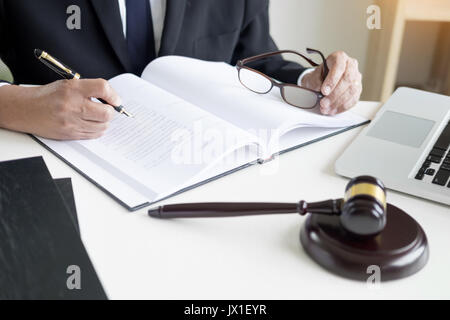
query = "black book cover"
{"x": 41, "y": 253}
{"x": 65, "y": 188}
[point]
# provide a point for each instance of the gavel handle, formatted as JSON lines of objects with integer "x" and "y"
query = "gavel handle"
{"x": 236, "y": 209}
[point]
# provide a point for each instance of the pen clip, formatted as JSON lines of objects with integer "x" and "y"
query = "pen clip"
{"x": 62, "y": 73}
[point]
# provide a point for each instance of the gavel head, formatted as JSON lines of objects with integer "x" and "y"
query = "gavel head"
{"x": 364, "y": 209}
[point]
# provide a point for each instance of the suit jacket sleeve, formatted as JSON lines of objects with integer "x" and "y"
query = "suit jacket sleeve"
{"x": 2, "y": 35}
{"x": 2, "y": 30}
{"x": 255, "y": 39}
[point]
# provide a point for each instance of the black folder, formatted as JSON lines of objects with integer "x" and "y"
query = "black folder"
{"x": 39, "y": 240}
{"x": 64, "y": 186}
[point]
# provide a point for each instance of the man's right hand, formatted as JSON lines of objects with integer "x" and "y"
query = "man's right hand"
{"x": 62, "y": 110}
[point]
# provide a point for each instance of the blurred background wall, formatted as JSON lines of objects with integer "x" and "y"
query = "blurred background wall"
{"x": 330, "y": 25}
{"x": 327, "y": 25}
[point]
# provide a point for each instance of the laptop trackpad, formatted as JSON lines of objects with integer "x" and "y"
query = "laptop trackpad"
{"x": 401, "y": 128}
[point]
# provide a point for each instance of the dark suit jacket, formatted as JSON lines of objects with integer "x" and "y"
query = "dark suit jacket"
{"x": 217, "y": 30}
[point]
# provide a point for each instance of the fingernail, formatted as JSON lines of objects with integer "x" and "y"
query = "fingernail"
{"x": 326, "y": 90}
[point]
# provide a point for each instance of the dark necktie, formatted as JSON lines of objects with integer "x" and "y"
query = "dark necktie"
{"x": 140, "y": 37}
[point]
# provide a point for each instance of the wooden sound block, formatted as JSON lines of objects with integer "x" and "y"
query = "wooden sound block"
{"x": 400, "y": 250}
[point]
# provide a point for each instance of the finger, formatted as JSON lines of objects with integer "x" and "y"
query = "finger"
{"x": 96, "y": 111}
{"x": 337, "y": 104}
{"x": 347, "y": 105}
{"x": 93, "y": 126}
{"x": 345, "y": 81}
{"x": 313, "y": 80}
{"x": 100, "y": 88}
{"x": 337, "y": 69}
{"x": 88, "y": 135}
{"x": 78, "y": 135}
{"x": 346, "y": 102}
{"x": 328, "y": 103}
{"x": 350, "y": 81}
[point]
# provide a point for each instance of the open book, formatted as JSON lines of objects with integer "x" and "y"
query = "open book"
{"x": 193, "y": 122}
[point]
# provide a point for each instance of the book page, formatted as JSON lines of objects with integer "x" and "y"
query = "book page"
{"x": 215, "y": 87}
{"x": 167, "y": 143}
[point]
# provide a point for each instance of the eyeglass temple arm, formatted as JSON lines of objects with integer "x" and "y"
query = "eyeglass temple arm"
{"x": 309, "y": 50}
{"x": 325, "y": 70}
{"x": 267, "y": 55}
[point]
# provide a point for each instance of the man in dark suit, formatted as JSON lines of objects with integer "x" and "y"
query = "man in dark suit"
{"x": 117, "y": 36}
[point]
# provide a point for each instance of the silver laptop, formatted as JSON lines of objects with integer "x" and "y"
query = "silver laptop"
{"x": 407, "y": 146}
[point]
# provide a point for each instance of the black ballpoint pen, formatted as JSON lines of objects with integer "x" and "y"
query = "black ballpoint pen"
{"x": 68, "y": 73}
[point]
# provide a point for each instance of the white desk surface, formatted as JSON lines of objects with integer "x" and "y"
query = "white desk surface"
{"x": 137, "y": 257}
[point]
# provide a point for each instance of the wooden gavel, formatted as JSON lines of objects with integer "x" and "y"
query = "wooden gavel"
{"x": 362, "y": 211}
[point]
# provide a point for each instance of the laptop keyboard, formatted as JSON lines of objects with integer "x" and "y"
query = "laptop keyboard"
{"x": 437, "y": 164}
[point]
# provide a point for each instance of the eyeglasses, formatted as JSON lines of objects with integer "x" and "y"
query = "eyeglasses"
{"x": 294, "y": 95}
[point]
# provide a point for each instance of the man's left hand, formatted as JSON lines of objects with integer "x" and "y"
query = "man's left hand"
{"x": 342, "y": 88}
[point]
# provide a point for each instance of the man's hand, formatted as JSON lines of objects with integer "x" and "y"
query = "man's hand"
{"x": 342, "y": 87}
{"x": 62, "y": 110}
